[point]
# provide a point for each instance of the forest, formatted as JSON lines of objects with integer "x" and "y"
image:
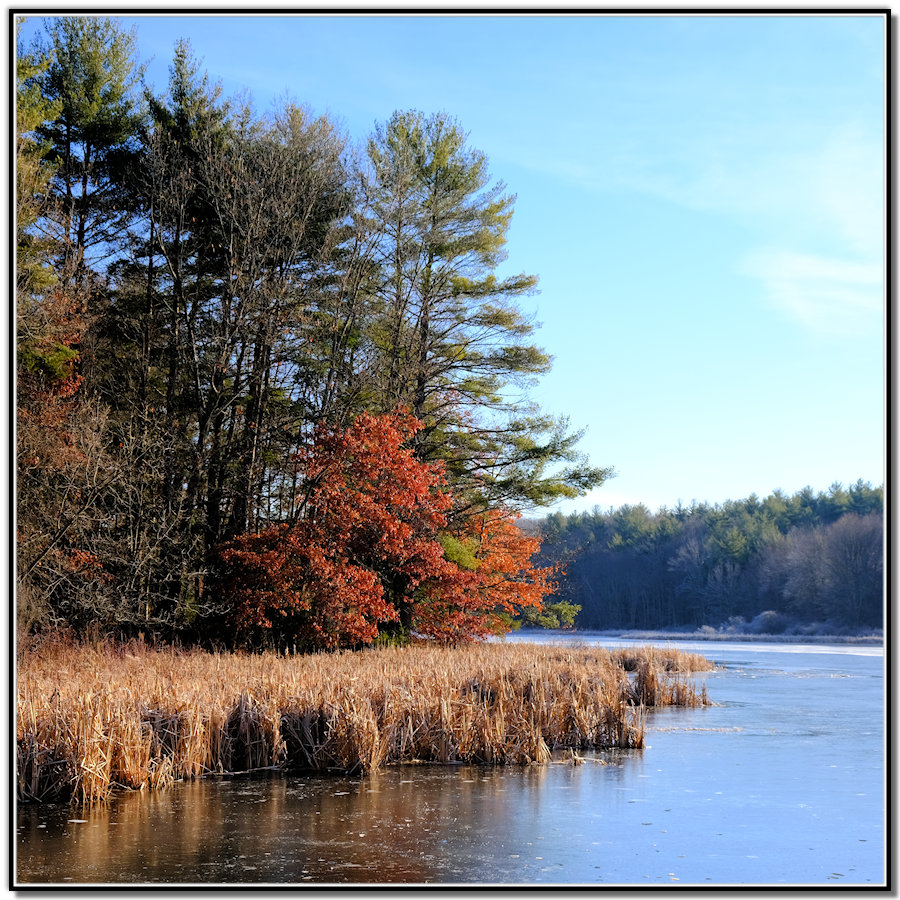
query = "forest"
{"x": 272, "y": 392}
{"x": 271, "y": 386}
{"x": 808, "y": 563}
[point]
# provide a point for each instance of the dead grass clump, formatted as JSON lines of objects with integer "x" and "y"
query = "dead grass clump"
{"x": 91, "y": 719}
{"x": 253, "y": 734}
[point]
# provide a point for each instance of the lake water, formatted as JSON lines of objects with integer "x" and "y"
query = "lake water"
{"x": 783, "y": 782}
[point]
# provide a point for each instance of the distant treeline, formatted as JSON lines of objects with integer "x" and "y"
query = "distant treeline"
{"x": 807, "y": 562}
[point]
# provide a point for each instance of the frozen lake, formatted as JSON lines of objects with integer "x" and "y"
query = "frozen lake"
{"x": 781, "y": 783}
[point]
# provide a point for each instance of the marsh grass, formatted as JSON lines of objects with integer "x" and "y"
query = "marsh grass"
{"x": 95, "y": 718}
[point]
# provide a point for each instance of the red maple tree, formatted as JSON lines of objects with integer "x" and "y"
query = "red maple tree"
{"x": 369, "y": 515}
{"x": 369, "y": 550}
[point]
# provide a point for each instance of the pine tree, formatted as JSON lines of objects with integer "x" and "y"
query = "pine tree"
{"x": 93, "y": 77}
{"x": 33, "y": 174}
{"x": 451, "y": 341}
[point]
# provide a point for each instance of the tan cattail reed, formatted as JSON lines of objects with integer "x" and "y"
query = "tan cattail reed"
{"x": 91, "y": 720}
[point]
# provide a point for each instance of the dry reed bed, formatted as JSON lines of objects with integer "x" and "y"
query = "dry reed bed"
{"x": 94, "y": 719}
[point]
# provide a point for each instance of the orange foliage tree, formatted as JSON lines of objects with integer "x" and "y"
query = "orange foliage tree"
{"x": 489, "y": 579}
{"x": 372, "y": 549}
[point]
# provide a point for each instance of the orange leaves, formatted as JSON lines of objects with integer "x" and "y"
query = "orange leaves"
{"x": 466, "y": 603}
{"x": 86, "y": 564}
{"x": 367, "y": 546}
{"x": 47, "y": 380}
{"x": 370, "y": 515}
{"x": 508, "y": 578}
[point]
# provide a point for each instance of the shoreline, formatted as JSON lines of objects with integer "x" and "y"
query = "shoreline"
{"x": 717, "y": 637}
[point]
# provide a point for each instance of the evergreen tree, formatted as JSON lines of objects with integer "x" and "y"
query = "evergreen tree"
{"x": 222, "y": 285}
{"x": 92, "y": 78}
{"x": 33, "y": 174}
{"x": 451, "y": 342}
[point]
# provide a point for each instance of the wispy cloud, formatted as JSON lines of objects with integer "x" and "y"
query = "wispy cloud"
{"x": 826, "y": 295}
{"x": 822, "y": 262}
{"x": 812, "y": 212}
{"x": 849, "y": 185}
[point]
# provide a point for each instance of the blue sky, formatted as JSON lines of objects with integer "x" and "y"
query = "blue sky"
{"x": 700, "y": 195}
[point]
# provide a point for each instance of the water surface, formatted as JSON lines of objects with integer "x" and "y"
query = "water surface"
{"x": 782, "y": 783}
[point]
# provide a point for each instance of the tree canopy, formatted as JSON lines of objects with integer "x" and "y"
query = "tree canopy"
{"x": 265, "y": 379}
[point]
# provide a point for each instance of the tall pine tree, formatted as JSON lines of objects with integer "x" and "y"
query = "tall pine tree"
{"x": 453, "y": 345}
{"x": 93, "y": 78}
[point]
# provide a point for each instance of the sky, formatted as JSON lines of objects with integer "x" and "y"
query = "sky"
{"x": 701, "y": 197}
